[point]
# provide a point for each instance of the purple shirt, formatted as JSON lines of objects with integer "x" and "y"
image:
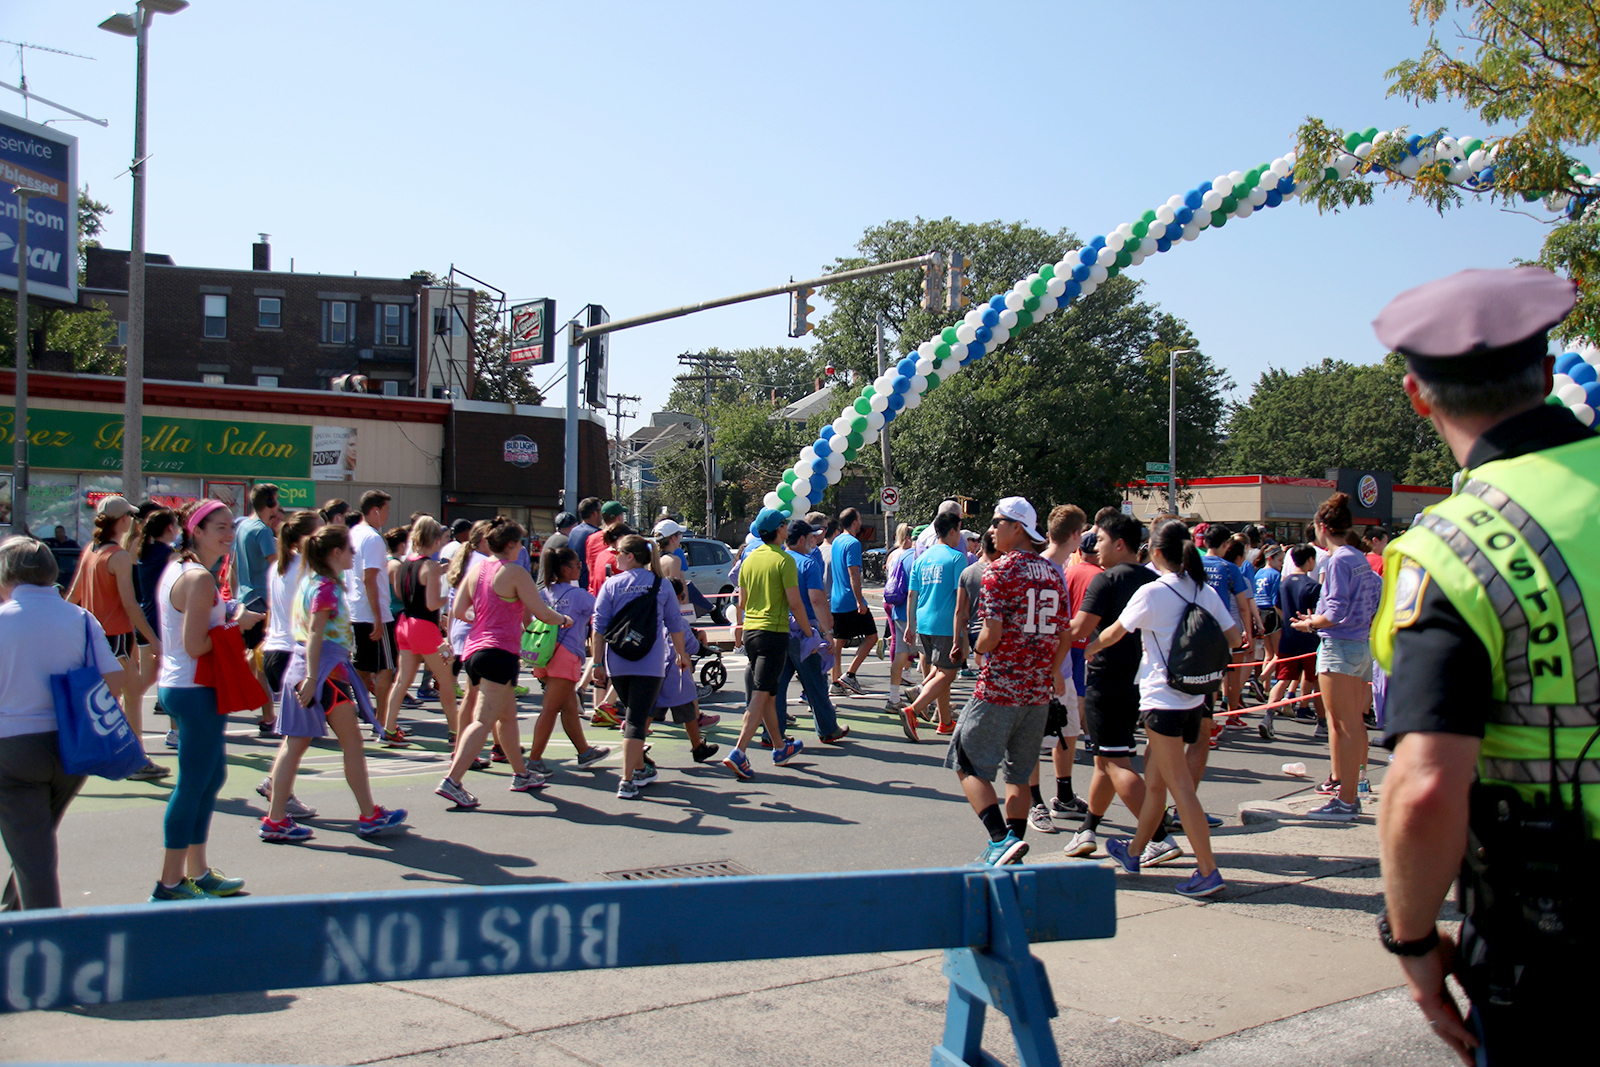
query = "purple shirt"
{"x": 679, "y": 687}
{"x": 1350, "y": 593}
{"x": 575, "y": 603}
{"x": 619, "y": 590}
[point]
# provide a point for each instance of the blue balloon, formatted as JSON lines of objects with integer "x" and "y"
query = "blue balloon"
{"x": 1191, "y": 200}
{"x": 991, "y": 317}
{"x": 1163, "y": 245}
{"x": 819, "y": 466}
{"x": 1286, "y": 183}
{"x": 1583, "y": 374}
{"x": 827, "y": 432}
{"x": 899, "y": 384}
{"x": 983, "y": 333}
{"x": 1486, "y": 176}
{"x": 1274, "y": 198}
{"x": 1098, "y": 241}
{"x": 1069, "y": 293}
{"x": 1174, "y": 232}
{"x": 1593, "y": 389}
{"x": 1414, "y": 144}
{"x": 821, "y": 447}
{"x": 1183, "y": 216}
{"x": 1204, "y": 188}
{"x": 907, "y": 367}
{"x": 889, "y": 414}
{"x": 1087, "y": 256}
{"x": 819, "y": 482}
{"x": 1080, "y": 273}
{"x": 998, "y": 303}
{"x": 1566, "y": 361}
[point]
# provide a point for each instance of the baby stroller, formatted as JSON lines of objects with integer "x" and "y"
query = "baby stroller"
{"x": 710, "y": 673}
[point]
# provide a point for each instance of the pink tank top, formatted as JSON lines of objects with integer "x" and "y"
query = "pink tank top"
{"x": 496, "y": 622}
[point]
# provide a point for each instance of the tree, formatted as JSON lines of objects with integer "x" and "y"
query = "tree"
{"x": 86, "y": 334}
{"x": 1531, "y": 64}
{"x": 493, "y": 377}
{"x": 1335, "y": 414}
{"x": 1066, "y": 412}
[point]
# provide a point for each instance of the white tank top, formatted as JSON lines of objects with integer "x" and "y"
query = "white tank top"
{"x": 281, "y": 589}
{"x": 177, "y": 667}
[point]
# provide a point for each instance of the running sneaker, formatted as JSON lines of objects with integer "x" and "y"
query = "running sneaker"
{"x": 496, "y": 753}
{"x": 791, "y": 748}
{"x": 968, "y": 672}
{"x": 1159, "y": 852}
{"x": 851, "y": 685}
{"x": 1199, "y": 885}
{"x": 172, "y": 739}
{"x": 908, "y": 724}
{"x": 456, "y": 795}
{"x": 737, "y": 762}
{"x": 1082, "y": 844}
{"x": 835, "y": 737}
{"x": 1173, "y": 818}
{"x": 1266, "y": 731}
{"x": 704, "y": 751}
{"x": 527, "y": 781}
{"x": 184, "y": 890}
{"x": 294, "y": 809}
{"x": 268, "y": 728}
{"x": 1117, "y": 849}
{"x": 1303, "y": 713}
{"x": 410, "y": 702}
{"x": 1321, "y": 732}
{"x": 912, "y": 693}
{"x": 946, "y": 728}
{"x": 1253, "y": 683}
{"x": 543, "y": 766}
{"x": 1336, "y": 810}
{"x": 837, "y": 689}
{"x": 645, "y": 775}
{"x": 287, "y": 830}
{"x": 380, "y": 820}
{"x": 605, "y": 715}
{"x": 594, "y": 755}
{"x": 929, "y": 711}
{"x": 479, "y": 764}
{"x": 1067, "y": 808}
{"x": 395, "y": 739}
{"x": 707, "y": 720}
{"x": 216, "y": 884}
{"x": 627, "y": 790}
{"x": 1009, "y": 849}
{"x": 1329, "y": 787}
{"x": 150, "y": 772}
{"x": 1039, "y": 819}
{"x": 427, "y": 692}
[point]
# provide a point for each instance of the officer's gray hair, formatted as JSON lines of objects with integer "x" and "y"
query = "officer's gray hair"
{"x": 24, "y": 561}
{"x": 1493, "y": 396}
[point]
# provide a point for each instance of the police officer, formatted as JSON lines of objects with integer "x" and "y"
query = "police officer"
{"x": 1494, "y": 693}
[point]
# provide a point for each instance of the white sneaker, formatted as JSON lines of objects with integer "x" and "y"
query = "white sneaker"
{"x": 1159, "y": 852}
{"x": 1082, "y": 844}
{"x": 527, "y": 781}
{"x": 1039, "y": 819}
{"x": 172, "y": 739}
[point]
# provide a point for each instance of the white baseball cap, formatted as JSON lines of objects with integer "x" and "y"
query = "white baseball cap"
{"x": 666, "y": 528}
{"x": 1019, "y": 510}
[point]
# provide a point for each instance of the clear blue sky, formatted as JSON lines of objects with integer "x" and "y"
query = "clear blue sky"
{"x": 643, "y": 156}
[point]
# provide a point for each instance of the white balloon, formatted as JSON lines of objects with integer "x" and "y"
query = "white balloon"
{"x": 924, "y": 366}
{"x": 1212, "y": 200}
{"x": 1067, "y": 265}
{"x": 869, "y": 436}
{"x": 835, "y": 460}
{"x": 875, "y": 421}
{"x": 1258, "y": 196}
{"x": 1175, "y": 202}
{"x": 1590, "y": 356}
{"x": 802, "y": 473}
{"x": 1024, "y": 286}
{"x": 1559, "y": 380}
{"x": 1087, "y": 288}
{"x": 1280, "y": 168}
{"x": 1191, "y": 231}
{"x": 919, "y": 384}
{"x": 1165, "y": 214}
{"x": 1047, "y": 304}
{"x": 1135, "y": 259}
{"x": 833, "y": 475}
{"x": 1097, "y": 274}
{"x": 1364, "y": 149}
{"x": 799, "y": 504}
{"x": 1222, "y": 185}
{"x": 1448, "y": 145}
{"x": 1460, "y": 172}
{"x": 925, "y": 350}
{"x": 1585, "y": 413}
{"x": 1115, "y": 241}
{"x": 1572, "y": 394}
{"x": 1291, "y": 157}
{"x": 1202, "y": 219}
{"x": 1147, "y": 247}
{"x": 772, "y": 500}
{"x": 965, "y": 333}
{"x": 1478, "y": 160}
{"x": 1126, "y": 229}
{"x": 1056, "y": 287}
{"x": 913, "y": 400}
{"x": 1008, "y": 318}
{"x": 1235, "y": 178}
{"x": 1107, "y": 256}
{"x": 1344, "y": 165}
{"x": 958, "y": 351}
{"x": 973, "y": 318}
{"x": 878, "y": 402}
{"x": 1409, "y": 166}
{"x": 807, "y": 454}
{"x": 1002, "y": 333}
{"x": 1244, "y": 210}
{"x": 1015, "y": 300}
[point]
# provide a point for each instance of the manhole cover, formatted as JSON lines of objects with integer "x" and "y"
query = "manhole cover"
{"x": 713, "y": 869}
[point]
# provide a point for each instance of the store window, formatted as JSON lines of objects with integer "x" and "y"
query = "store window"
{"x": 216, "y": 315}
{"x": 269, "y": 312}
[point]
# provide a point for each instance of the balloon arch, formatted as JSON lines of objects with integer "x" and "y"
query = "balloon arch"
{"x": 1467, "y": 163}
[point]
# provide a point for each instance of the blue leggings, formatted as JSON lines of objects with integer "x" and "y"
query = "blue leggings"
{"x": 202, "y": 764}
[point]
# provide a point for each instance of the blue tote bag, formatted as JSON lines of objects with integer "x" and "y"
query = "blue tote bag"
{"x": 91, "y": 731}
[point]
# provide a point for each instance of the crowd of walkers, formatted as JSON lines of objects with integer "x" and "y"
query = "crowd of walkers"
{"x": 1064, "y": 627}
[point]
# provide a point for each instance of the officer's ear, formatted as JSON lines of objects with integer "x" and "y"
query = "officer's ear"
{"x": 1414, "y": 394}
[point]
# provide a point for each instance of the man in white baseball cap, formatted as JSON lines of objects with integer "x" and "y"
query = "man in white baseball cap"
{"x": 669, "y": 537}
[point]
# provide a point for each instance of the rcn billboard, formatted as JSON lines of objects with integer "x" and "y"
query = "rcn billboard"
{"x": 45, "y": 161}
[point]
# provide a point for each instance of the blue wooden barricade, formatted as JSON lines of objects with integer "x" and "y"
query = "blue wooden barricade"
{"x": 983, "y": 917}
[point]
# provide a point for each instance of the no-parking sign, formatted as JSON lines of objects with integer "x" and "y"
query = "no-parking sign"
{"x": 889, "y": 497}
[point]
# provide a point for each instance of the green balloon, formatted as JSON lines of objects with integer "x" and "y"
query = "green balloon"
{"x": 863, "y": 405}
{"x": 856, "y": 440}
{"x": 867, "y": 391}
{"x": 1113, "y": 270}
{"x": 1148, "y": 216}
{"x": 786, "y": 492}
{"x": 859, "y": 423}
{"x": 1219, "y": 218}
{"x": 1230, "y": 204}
{"x": 1553, "y": 399}
{"x": 850, "y": 453}
{"x": 1024, "y": 319}
{"x": 1047, "y": 271}
{"x": 949, "y": 335}
{"x": 942, "y": 351}
{"x": 933, "y": 382}
{"x": 938, "y": 364}
{"x": 789, "y": 476}
{"x": 1329, "y": 174}
{"x": 1039, "y": 287}
{"x": 1124, "y": 258}
{"x": 1141, "y": 228}
{"x": 1031, "y": 304}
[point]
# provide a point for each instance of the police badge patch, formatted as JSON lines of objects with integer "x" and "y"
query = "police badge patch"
{"x": 1409, "y": 586}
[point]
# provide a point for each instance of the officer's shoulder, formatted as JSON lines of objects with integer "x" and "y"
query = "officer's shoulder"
{"x": 1410, "y": 585}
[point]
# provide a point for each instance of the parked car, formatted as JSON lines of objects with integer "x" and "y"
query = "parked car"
{"x": 709, "y": 564}
{"x": 873, "y": 562}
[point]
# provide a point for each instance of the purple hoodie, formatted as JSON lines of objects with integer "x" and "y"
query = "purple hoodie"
{"x": 1350, "y": 594}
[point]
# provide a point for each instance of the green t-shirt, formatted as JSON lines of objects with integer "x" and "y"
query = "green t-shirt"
{"x": 767, "y": 572}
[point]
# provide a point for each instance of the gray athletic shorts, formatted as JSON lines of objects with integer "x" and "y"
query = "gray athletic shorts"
{"x": 989, "y": 734}
{"x": 937, "y": 648}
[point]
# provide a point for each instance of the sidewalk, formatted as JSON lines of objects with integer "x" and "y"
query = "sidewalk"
{"x": 1285, "y": 969}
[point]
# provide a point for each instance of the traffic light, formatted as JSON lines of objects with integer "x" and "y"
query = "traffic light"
{"x": 800, "y": 312}
{"x": 955, "y": 298}
{"x": 932, "y": 281}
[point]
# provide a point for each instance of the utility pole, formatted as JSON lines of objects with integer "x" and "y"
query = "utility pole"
{"x": 709, "y": 369}
{"x": 883, "y": 435}
{"x": 617, "y": 400}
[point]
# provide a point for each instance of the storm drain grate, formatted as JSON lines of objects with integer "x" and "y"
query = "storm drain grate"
{"x": 713, "y": 869}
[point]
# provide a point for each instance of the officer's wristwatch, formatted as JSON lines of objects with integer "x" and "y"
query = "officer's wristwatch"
{"x": 1420, "y": 947}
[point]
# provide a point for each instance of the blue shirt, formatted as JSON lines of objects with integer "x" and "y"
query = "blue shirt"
{"x": 1268, "y": 582}
{"x": 1226, "y": 580}
{"x": 810, "y": 578}
{"x": 935, "y": 577}
{"x": 578, "y": 541}
{"x": 253, "y": 542}
{"x": 846, "y": 554}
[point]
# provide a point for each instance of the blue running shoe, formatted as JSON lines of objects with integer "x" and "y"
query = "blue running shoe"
{"x": 1117, "y": 849}
{"x": 216, "y": 884}
{"x": 380, "y": 820}
{"x": 1009, "y": 849}
{"x": 737, "y": 762}
{"x": 1200, "y": 885}
{"x": 791, "y": 748}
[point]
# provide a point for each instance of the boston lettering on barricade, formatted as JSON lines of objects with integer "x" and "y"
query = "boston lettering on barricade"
{"x": 90, "y": 440}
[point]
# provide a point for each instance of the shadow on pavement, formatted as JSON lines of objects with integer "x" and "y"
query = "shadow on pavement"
{"x": 208, "y": 1007}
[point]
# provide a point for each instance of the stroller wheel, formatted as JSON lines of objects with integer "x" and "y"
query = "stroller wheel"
{"x": 713, "y": 676}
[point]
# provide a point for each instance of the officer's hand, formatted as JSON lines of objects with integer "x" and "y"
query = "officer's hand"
{"x": 1425, "y": 975}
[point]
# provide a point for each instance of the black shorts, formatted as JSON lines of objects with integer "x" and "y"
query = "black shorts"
{"x": 849, "y": 625}
{"x": 636, "y": 693}
{"x": 273, "y": 663}
{"x": 138, "y": 639}
{"x": 768, "y": 651}
{"x": 1110, "y": 715}
{"x": 257, "y": 633}
{"x": 1167, "y": 723}
{"x": 372, "y": 656}
{"x": 494, "y": 665}
{"x": 121, "y": 644}
{"x": 1271, "y": 622}
{"x": 455, "y": 666}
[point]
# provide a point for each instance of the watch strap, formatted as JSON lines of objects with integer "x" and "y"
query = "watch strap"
{"x": 1420, "y": 947}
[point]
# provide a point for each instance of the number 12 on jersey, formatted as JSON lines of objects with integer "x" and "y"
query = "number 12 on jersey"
{"x": 1042, "y": 606}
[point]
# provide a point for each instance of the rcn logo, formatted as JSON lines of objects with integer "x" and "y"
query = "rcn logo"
{"x": 105, "y": 713}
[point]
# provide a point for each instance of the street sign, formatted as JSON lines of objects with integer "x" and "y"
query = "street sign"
{"x": 1157, "y": 479}
{"x": 531, "y": 329}
{"x": 1158, "y": 468}
{"x": 889, "y": 496}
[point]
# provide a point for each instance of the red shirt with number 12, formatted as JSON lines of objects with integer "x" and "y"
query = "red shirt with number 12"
{"x": 1025, "y": 592}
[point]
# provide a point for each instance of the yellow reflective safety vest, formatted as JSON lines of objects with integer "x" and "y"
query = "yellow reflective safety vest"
{"x": 1517, "y": 552}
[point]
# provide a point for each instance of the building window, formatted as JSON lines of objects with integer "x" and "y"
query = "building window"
{"x": 122, "y": 334}
{"x": 269, "y": 312}
{"x": 392, "y": 325}
{"x": 213, "y": 379}
{"x": 216, "y": 309}
{"x": 447, "y": 322}
{"x": 391, "y": 388}
{"x": 338, "y": 322}
{"x": 267, "y": 381}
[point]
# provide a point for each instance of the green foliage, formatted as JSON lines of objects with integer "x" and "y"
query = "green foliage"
{"x": 1532, "y": 65}
{"x": 1335, "y": 414}
{"x": 1065, "y": 412}
{"x": 86, "y": 334}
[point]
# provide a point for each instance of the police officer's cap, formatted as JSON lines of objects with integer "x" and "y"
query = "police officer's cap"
{"x": 1476, "y": 324}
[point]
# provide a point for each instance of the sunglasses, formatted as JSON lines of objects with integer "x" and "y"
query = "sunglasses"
{"x": 998, "y": 519}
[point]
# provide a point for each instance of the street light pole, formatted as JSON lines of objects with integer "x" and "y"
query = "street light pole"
{"x": 19, "y": 423}
{"x": 1172, "y": 426}
{"x": 137, "y": 26}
